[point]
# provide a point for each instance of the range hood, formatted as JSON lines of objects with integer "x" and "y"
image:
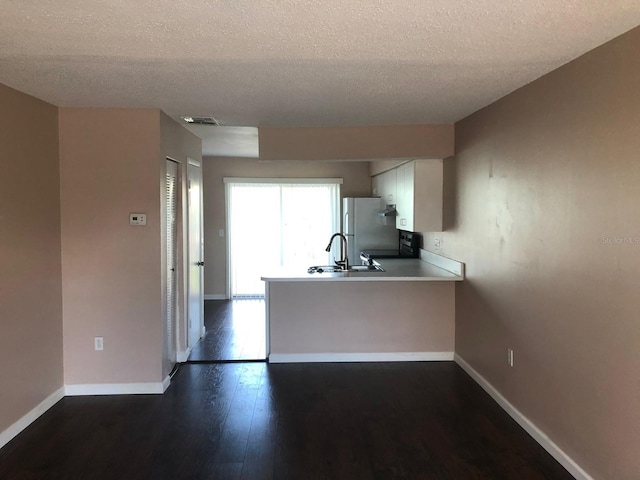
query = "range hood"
{"x": 390, "y": 211}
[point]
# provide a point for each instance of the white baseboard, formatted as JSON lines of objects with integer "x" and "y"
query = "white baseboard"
{"x": 7, "y": 435}
{"x": 360, "y": 357}
{"x": 183, "y": 356}
{"x": 117, "y": 388}
{"x": 216, "y": 296}
{"x": 538, "y": 435}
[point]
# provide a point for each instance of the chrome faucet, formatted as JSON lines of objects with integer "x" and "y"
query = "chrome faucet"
{"x": 343, "y": 263}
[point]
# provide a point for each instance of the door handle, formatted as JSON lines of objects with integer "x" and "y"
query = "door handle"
{"x": 200, "y": 264}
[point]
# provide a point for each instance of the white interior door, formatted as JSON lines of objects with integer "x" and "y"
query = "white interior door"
{"x": 171, "y": 190}
{"x": 196, "y": 255}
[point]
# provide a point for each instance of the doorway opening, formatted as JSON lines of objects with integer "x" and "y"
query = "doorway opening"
{"x": 236, "y": 331}
{"x": 271, "y": 223}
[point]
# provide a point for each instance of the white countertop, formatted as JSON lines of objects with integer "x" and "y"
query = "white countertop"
{"x": 396, "y": 270}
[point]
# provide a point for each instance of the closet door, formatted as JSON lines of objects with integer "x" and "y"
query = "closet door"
{"x": 171, "y": 188}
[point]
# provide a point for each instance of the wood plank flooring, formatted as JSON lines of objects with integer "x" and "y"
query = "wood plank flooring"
{"x": 235, "y": 330}
{"x": 258, "y": 421}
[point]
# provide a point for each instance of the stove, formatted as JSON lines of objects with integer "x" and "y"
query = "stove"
{"x": 408, "y": 247}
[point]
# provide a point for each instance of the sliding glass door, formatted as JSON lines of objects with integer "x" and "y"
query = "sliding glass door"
{"x": 275, "y": 223}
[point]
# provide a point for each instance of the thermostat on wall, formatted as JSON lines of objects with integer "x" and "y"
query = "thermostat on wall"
{"x": 137, "y": 218}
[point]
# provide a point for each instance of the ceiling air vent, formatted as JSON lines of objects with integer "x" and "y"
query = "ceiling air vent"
{"x": 201, "y": 121}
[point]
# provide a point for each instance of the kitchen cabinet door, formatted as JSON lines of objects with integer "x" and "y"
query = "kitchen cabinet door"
{"x": 376, "y": 185}
{"x": 383, "y": 185}
{"x": 419, "y": 193}
{"x": 404, "y": 195}
{"x": 389, "y": 187}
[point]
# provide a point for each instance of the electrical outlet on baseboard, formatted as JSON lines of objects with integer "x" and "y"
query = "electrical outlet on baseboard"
{"x": 510, "y": 357}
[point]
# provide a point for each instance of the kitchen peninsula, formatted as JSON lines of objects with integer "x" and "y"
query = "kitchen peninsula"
{"x": 401, "y": 314}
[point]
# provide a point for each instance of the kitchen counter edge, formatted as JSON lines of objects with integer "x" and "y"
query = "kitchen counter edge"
{"x": 396, "y": 270}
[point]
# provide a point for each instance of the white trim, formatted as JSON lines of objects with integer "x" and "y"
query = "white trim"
{"x": 165, "y": 383}
{"x": 538, "y": 435}
{"x": 267, "y": 320}
{"x": 183, "y": 356}
{"x": 216, "y": 296}
{"x": 117, "y": 388}
{"x": 296, "y": 181}
{"x": 7, "y": 435}
{"x": 194, "y": 162}
{"x": 360, "y": 357}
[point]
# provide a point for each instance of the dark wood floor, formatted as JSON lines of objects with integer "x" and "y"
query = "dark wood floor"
{"x": 299, "y": 421}
{"x": 235, "y": 330}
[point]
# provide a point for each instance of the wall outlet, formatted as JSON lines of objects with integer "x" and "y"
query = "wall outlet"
{"x": 221, "y": 233}
{"x": 436, "y": 243}
{"x": 98, "y": 343}
{"x": 510, "y": 357}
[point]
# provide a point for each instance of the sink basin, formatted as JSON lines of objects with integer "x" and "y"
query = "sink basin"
{"x": 366, "y": 268}
{"x": 337, "y": 269}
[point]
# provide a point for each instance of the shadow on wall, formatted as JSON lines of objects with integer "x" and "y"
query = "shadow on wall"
{"x": 473, "y": 307}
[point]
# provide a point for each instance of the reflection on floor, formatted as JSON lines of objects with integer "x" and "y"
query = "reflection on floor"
{"x": 235, "y": 331}
{"x": 258, "y": 421}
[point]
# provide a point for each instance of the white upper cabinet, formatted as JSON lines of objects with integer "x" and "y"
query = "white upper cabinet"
{"x": 384, "y": 186}
{"x": 415, "y": 188}
{"x": 376, "y": 183}
{"x": 390, "y": 188}
{"x": 419, "y": 196}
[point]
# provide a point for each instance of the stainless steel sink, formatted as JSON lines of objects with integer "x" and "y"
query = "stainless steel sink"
{"x": 337, "y": 269}
{"x": 366, "y": 268}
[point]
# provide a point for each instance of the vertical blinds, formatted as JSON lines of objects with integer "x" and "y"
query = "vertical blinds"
{"x": 278, "y": 224}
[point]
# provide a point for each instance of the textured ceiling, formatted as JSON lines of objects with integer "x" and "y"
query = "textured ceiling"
{"x": 296, "y": 62}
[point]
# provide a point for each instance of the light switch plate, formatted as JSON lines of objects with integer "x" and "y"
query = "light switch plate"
{"x": 137, "y": 218}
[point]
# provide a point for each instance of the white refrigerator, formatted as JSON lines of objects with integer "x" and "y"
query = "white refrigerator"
{"x": 365, "y": 229}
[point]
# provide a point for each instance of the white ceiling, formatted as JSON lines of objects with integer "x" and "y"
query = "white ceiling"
{"x": 297, "y": 62}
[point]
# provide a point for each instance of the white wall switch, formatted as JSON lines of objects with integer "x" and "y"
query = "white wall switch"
{"x": 137, "y": 218}
{"x": 510, "y": 356}
{"x": 221, "y": 233}
{"x": 98, "y": 343}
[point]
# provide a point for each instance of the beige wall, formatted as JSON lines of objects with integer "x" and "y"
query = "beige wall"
{"x": 353, "y": 143}
{"x": 357, "y": 183}
{"x": 541, "y": 179}
{"x": 361, "y": 317}
{"x": 377, "y": 167}
{"x": 111, "y": 272}
{"x": 30, "y": 279}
